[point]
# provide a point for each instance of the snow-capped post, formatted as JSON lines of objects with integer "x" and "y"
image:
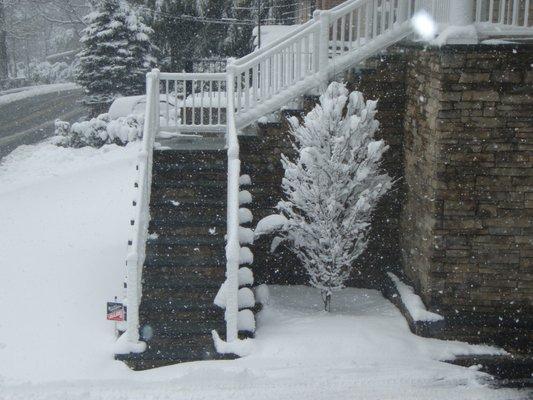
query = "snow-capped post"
{"x": 332, "y": 186}
{"x": 232, "y": 244}
{"x": 323, "y": 16}
{"x": 461, "y": 13}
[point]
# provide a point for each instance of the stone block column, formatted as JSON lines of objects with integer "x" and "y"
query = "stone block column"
{"x": 467, "y": 222}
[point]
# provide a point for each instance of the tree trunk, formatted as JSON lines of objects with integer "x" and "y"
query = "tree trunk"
{"x": 326, "y": 298}
{"x": 3, "y": 44}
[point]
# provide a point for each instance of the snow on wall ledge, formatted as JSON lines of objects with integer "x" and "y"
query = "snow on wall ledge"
{"x": 413, "y": 303}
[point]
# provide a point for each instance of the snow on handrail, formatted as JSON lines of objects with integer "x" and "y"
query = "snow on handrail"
{"x": 137, "y": 245}
{"x": 232, "y": 243}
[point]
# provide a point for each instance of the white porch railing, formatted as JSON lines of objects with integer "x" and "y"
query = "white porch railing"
{"x": 141, "y": 205}
{"x": 514, "y": 13}
{"x": 259, "y": 83}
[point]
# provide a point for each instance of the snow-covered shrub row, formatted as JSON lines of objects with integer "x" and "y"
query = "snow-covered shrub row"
{"x": 46, "y": 73}
{"x": 100, "y": 131}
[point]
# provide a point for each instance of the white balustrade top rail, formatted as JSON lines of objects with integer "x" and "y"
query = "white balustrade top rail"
{"x": 261, "y": 82}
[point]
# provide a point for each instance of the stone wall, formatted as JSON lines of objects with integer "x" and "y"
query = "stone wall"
{"x": 467, "y": 222}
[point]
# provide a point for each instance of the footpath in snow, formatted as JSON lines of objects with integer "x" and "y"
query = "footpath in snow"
{"x": 64, "y": 226}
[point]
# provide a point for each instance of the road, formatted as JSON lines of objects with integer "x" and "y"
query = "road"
{"x": 31, "y": 120}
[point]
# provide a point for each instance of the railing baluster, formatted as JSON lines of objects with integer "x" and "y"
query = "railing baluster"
{"x": 316, "y": 51}
{"x": 334, "y": 39}
{"x": 526, "y": 13}
{"x": 281, "y": 60}
{"x": 184, "y": 104}
{"x": 298, "y": 60}
{"x": 307, "y": 59}
{"x": 202, "y": 105}
{"x": 478, "y": 10}
{"x": 175, "y": 102}
{"x": 290, "y": 64}
{"x": 491, "y": 10}
{"x": 515, "y": 13}
{"x": 350, "y": 31}
{"x": 358, "y": 34}
{"x": 210, "y": 102}
{"x": 239, "y": 91}
{"x": 383, "y": 17}
{"x": 193, "y": 95}
{"x": 343, "y": 37}
{"x": 247, "y": 88}
{"x": 219, "y": 86}
{"x": 391, "y": 14}
{"x": 502, "y": 12}
{"x": 167, "y": 100}
{"x": 255, "y": 83}
{"x": 375, "y": 19}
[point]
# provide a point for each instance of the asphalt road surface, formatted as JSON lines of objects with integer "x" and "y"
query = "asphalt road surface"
{"x": 31, "y": 120}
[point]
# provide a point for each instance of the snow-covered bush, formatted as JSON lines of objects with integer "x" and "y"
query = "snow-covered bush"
{"x": 332, "y": 186}
{"x": 45, "y": 72}
{"x": 100, "y": 131}
{"x": 117, "y": 52}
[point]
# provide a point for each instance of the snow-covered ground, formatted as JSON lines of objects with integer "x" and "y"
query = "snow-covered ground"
{"x": 30, "y": 91}
{"x": 64, "y": 224}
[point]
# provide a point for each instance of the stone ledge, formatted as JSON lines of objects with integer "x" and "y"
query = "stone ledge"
{"x": 420, "y": 328}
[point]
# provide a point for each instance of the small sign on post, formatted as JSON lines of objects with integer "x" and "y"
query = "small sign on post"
{"x": 116, "y": 311}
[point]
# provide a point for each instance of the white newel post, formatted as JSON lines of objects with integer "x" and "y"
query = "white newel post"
{"x": 461, "y": 13}
{"x": 232, "y": 242}
{"x": 323, "y": 45}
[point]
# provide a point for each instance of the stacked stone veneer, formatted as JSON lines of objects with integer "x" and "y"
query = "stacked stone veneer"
{"x": 467, "y": 221}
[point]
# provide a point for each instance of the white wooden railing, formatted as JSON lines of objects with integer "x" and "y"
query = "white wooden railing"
{"x": 515, "y": 13}
{"x": 261, "y": 82}
{"x": 141, "y": 216}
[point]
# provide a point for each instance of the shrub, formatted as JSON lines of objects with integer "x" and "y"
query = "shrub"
{"x": 100, "y": 131}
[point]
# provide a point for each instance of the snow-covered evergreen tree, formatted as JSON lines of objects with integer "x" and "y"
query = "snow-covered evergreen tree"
{"x": 332, "y": 186}
{"x": 117, "y": 53}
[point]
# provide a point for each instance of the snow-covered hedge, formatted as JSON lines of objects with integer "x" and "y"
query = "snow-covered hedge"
{"x": 100, "y": 131}
{"x": 45, "y": 72}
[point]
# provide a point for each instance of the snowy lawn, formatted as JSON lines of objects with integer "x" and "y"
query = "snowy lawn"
{"x": 64, "y": 224}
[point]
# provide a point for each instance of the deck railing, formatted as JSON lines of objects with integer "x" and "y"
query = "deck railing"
{"x": 141, "y": 202}
{"x": 260, "y": 82}
{"x": 514, "y": 13}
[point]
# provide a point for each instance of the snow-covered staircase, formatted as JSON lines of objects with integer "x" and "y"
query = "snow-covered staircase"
{"x": 185, "y": 262}
{"x": 190, "y": 199}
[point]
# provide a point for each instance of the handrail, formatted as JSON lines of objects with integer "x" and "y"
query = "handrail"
{"x": 137, "y": 245}
{"x": 232, "y": 233}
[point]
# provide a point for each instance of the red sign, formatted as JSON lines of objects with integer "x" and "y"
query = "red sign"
{"x": 116, "y": 311}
